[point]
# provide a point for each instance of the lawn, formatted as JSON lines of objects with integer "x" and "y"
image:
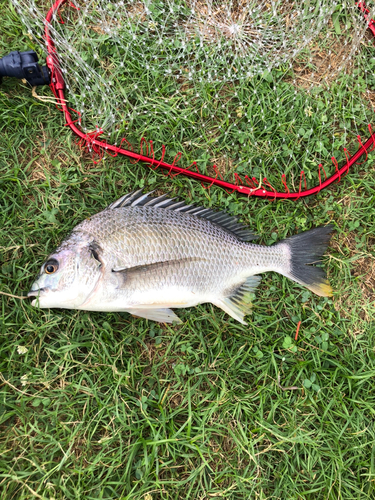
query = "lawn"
{"x": 107, "y": 406}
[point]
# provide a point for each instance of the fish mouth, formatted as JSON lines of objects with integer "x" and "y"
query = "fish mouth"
{"x": 36, "y": 294}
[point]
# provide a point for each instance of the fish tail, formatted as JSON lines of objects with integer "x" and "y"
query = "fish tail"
{"x": 305, "y": 249}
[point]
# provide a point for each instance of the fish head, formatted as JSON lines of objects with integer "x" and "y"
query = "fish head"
{"x": 68, "y": 277}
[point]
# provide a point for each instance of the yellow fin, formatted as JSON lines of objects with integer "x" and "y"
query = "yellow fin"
{"x": 305, "y": 250}
{"x": 323, "y": 289}
{"x": 238, "y": 302}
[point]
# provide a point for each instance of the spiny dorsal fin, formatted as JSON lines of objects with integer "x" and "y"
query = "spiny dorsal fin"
{"x": 222, "y": 219}
{"x": 237, "y": 301}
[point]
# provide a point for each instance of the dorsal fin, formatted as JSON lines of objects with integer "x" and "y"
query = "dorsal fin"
{"x": 222, "y": 219}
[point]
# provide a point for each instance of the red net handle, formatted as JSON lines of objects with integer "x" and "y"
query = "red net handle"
{"x": 92, "y": 140}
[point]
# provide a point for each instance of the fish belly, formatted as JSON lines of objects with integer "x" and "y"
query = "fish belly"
{"x": 166, "y": 297}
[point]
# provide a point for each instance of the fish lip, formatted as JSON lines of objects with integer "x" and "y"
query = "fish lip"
{"x": 35, "y": 293}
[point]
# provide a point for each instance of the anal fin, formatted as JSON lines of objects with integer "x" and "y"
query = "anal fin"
{"x": 237, "y": 301}
{"x": 160, "y": 315}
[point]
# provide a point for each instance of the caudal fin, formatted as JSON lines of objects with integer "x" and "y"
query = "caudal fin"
{"x": 307, "y": 249}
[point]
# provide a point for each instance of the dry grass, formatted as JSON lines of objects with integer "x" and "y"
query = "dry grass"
{"x": 322, "y": 62}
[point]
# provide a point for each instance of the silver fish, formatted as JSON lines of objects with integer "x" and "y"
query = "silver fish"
{"x": 147, "y": 256}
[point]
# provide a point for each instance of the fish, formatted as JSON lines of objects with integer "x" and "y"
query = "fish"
{"x": 148, "y": 255}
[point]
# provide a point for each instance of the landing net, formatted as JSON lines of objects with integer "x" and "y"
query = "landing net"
{"x": 271, "y": 96}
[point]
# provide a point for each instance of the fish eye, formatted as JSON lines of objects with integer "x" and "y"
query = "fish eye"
{"x": 51, "y": 266}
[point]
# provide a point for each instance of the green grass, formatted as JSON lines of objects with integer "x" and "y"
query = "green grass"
{"x": 106, "y": 406}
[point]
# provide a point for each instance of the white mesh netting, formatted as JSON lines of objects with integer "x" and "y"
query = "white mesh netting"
{"x": 259, "y": 88}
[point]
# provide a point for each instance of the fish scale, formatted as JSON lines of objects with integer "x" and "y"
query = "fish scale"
{"x": 148, "y": 255}
{"x": 155, "y": 235}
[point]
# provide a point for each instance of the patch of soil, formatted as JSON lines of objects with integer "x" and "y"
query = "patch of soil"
{"x": 214, "y": 21}
{"x": 175, "y": 400}
{"x": 224, "y": 166}
{"x": 323, "y": 64}
{"x": 137, "y": 11}
{"x": 42, "y": 164}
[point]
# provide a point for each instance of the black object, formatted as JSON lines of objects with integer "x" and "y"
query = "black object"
{"x": 24, "y": 65}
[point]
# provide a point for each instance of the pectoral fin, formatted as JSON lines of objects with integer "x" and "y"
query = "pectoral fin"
{"x": 237, "y": 301}
{"x": 160, "y": 315}
{"x": 155, "y": 273}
